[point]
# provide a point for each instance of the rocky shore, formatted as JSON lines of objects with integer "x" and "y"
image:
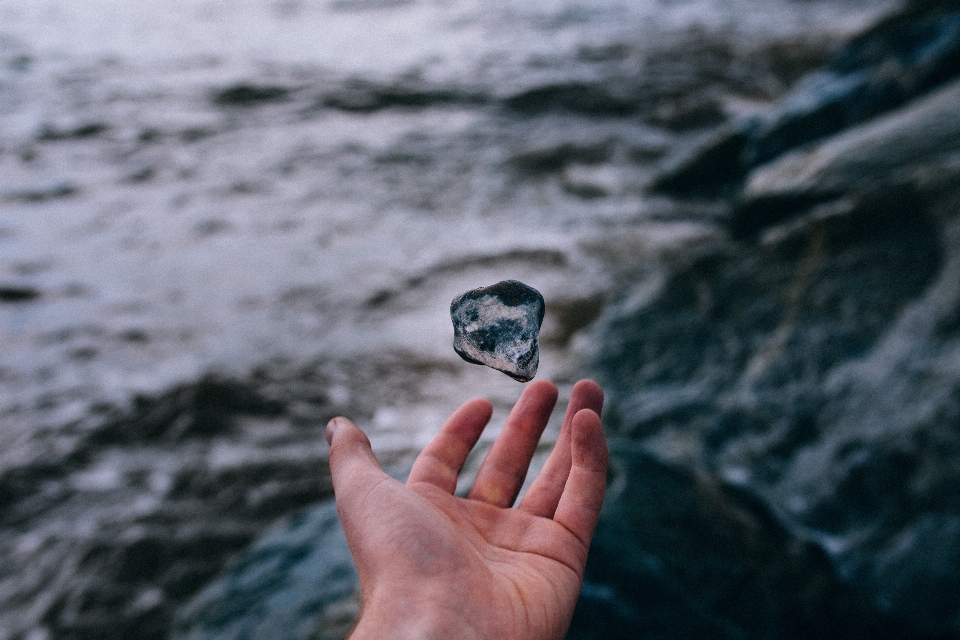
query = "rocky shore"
{"x": 784, "y": 395}
{"x": 750, "y": 242}
{"x": 809, "y": 358}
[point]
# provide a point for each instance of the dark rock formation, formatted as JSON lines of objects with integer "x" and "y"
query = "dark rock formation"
{"x": 499, "y": 326}
{"x": 812, "y": 357}
{"x": 297, "y": 582}
{"x": 898, "y": 59}
{"x": 680, "y": 555}
{"x": 902, "y": 57}
{"x": 812, "y": 360}
{"x": 881, "y": 157}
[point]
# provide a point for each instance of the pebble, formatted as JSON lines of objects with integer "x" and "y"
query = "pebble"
{"x": 499, "y": 326}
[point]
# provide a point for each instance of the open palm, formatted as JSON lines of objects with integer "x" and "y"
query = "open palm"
{"x": 435, "y": 565}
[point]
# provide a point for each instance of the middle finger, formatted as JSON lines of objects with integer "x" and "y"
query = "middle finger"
{"x": 503, "y": 470}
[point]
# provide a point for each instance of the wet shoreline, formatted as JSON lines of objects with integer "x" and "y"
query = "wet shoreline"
{"x": 202, "y": 260}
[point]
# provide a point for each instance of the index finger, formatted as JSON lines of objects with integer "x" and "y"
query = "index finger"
{"x": 440, "y": 462}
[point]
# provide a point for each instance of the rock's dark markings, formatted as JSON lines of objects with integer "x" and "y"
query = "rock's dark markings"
{"x": 499, "y": 327}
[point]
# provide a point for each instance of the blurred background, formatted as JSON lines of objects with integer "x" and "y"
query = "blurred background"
{"x": 223, "y": 223}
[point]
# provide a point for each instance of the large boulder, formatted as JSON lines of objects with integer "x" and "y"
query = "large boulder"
{"x": 679, "y": 554}
{"x": 812, "y": 358}
{"x": 884, "y": 155}
{"x": 904, "y": 56}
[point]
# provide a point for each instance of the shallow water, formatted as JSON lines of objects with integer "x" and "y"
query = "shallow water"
{"x": 169, "y": 234}
{"x": 302, "y": 187}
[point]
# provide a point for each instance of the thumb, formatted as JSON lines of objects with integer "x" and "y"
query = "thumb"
{"x": 354, "y": 469}
{"x": 356, "y": 474}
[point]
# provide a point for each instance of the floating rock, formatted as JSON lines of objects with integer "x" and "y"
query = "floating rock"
{"x": 499, "y": 326}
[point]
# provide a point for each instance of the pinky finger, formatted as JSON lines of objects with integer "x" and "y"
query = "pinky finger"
{"x": 579, "y": 506}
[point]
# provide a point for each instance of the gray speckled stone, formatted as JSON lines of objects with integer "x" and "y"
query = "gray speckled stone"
{"x": 499, "y": 326}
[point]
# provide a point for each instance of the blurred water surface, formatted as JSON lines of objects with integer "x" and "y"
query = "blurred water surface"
{"x": 171, "y": 228}
{"x": 387, "y": 36}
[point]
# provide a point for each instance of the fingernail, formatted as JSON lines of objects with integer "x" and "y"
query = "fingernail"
{"x": 332, "y": 428}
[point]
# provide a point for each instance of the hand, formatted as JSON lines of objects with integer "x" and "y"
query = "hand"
{"x": 433, "y": 565}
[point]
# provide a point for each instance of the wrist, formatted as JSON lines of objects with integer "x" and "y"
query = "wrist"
{"x": 411, "y": 619}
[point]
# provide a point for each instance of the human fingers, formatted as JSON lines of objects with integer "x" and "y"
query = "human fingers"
{"x": 544, "y": 493}
{"x": 579, "y": 506}
{"x": 440, "y": 462}
{"x": 503, "y": 470}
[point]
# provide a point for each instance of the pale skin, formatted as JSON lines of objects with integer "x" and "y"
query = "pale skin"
{"x": 434, "y": 565}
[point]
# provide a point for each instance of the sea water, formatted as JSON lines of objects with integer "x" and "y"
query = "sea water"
{"x": 200, "y": 187}
{"x": 178, "y": 236}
